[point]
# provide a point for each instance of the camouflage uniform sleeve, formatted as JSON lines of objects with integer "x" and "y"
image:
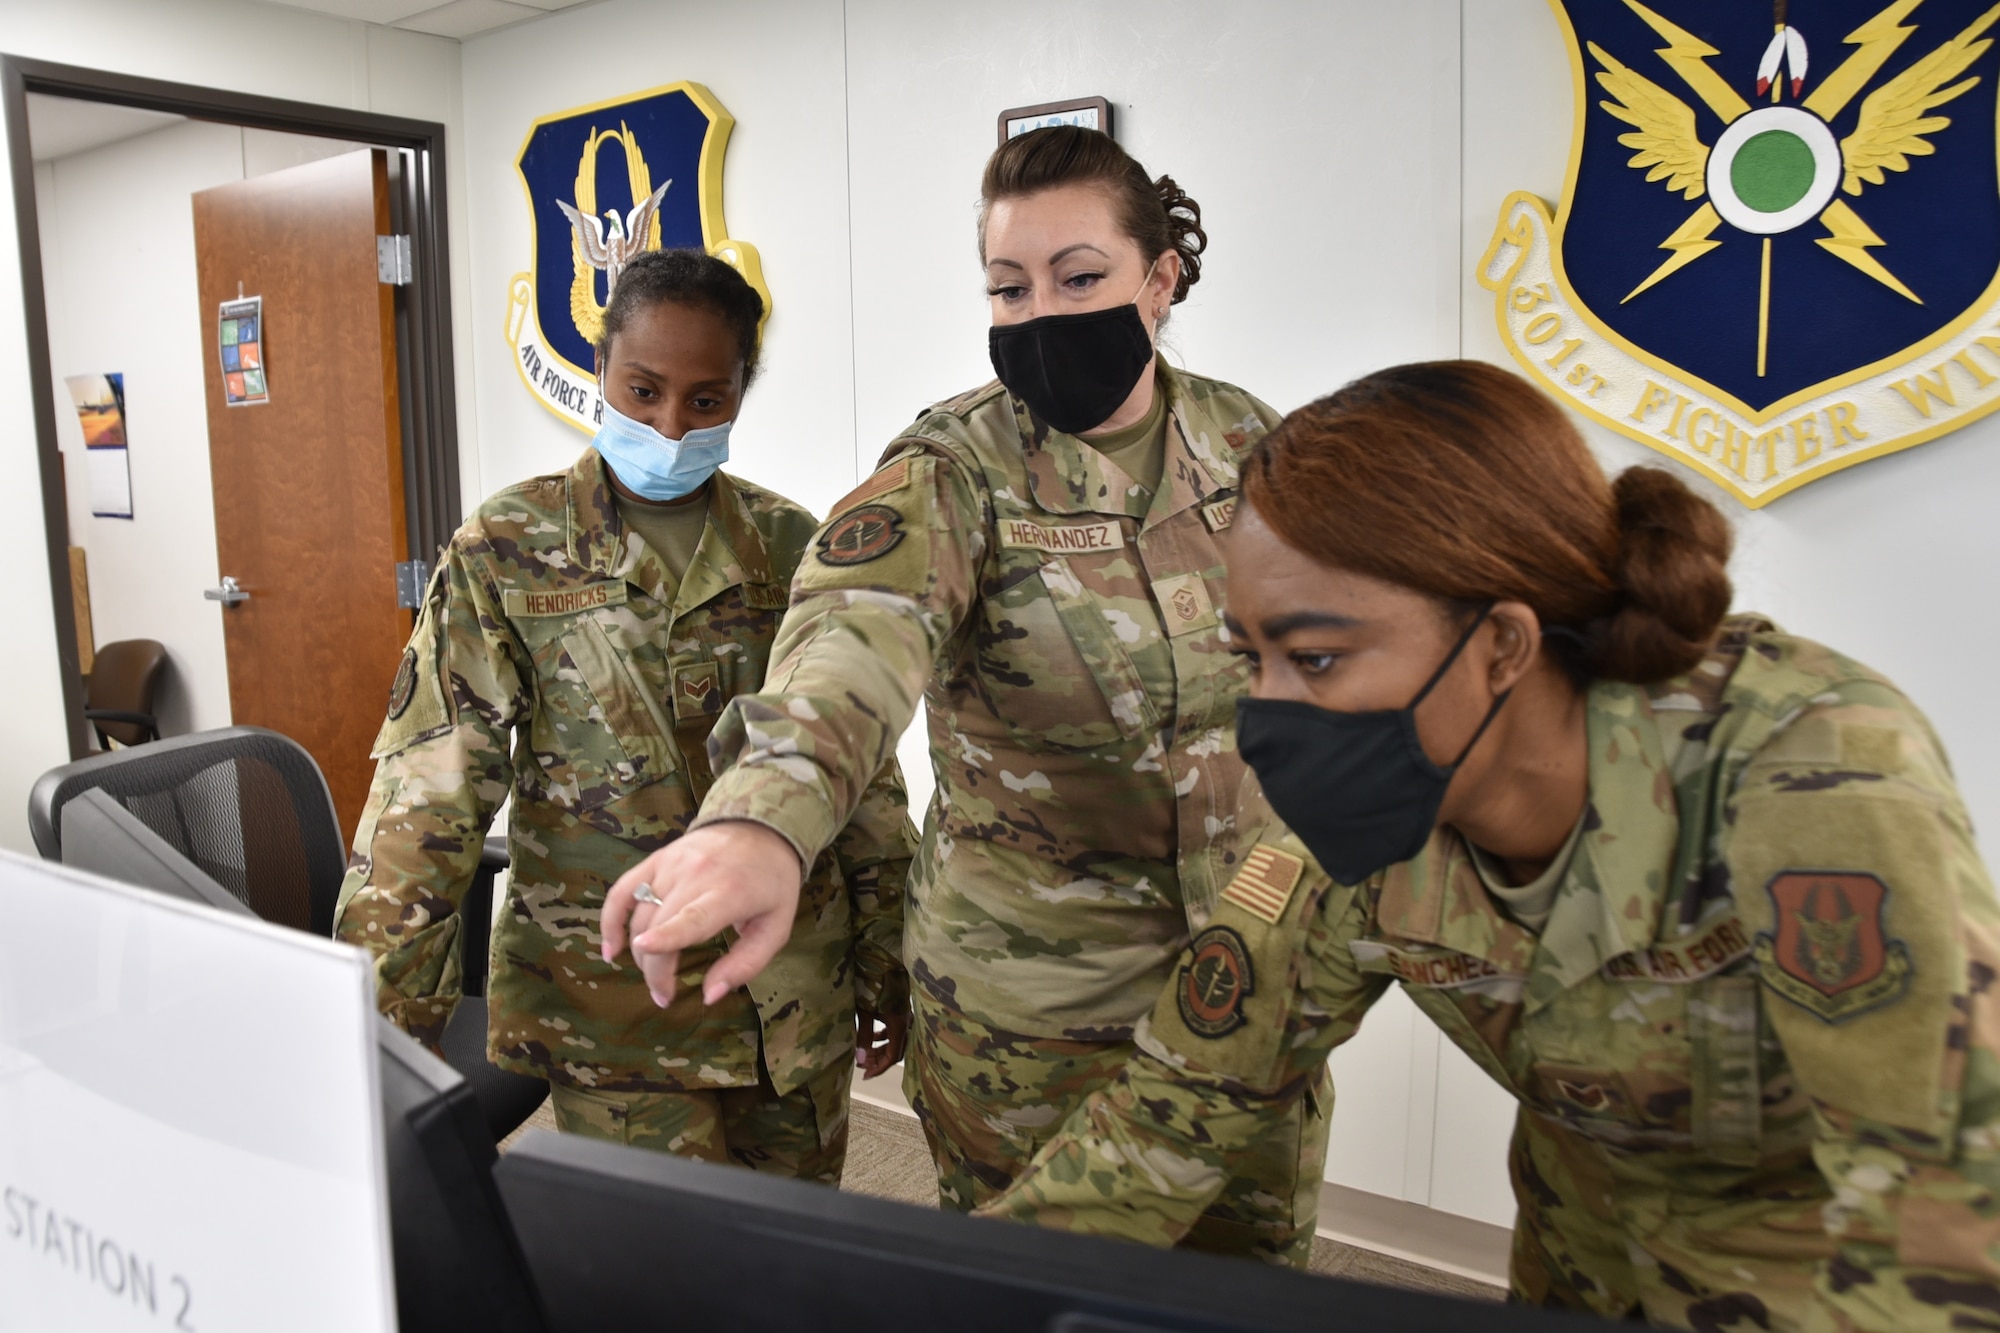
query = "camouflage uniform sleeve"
{"x": 874, "y": 851}
{"x": 1253, "y": 1011}
{"x": 442, "y": 770}
{"x": 885, "y": 584}
{"x": 1877, "y": 945}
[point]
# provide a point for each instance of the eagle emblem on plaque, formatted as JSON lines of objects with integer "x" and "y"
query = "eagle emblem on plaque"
{"x": 1777, "y": 253}
{"x": 605, "y": 183}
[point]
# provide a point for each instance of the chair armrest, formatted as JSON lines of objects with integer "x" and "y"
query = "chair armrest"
{"x": 146, "y": 720}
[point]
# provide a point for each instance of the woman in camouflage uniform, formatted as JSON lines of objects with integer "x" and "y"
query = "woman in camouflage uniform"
{"x": 594, "y": 622}
{"x": 1700, "y": 894}
{"x": 1039, "y": 560}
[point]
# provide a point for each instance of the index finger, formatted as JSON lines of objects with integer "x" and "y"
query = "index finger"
{"x": 618, "y": 907}
{"x": 688, "y": 924}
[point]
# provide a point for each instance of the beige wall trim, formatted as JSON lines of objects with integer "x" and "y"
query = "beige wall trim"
{"x": 1459, "y": 1245}
{"x": 1463, "y": 1246}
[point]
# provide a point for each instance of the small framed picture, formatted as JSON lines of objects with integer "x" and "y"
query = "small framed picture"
{"x": 1093, "y": 113}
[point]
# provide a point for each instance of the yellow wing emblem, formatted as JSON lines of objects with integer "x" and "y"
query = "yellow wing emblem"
{"x": 1896, "y": 117}
{"x": 1662, "y": 127}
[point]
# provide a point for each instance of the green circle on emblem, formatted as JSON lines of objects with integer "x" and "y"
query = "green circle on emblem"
{"x": 1772, "y": 171}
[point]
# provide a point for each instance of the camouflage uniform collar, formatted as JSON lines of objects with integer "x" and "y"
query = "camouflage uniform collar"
{"x": 1067, "y": 476}
{"x": 731, "y": 550}
{"x": 1611, "y": 899}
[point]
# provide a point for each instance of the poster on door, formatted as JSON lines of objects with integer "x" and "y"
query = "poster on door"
{"x": 100, "y": 410}
{"x": 243, "y": 382}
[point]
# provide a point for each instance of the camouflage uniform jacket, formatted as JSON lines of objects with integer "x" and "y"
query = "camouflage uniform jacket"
{"x": 1755, "y": 1046}
{"x": 1063, "y": 628}
{"x": 550, "y": 627}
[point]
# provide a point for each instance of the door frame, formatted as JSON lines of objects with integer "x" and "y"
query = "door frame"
{"x": 428, "y": 392}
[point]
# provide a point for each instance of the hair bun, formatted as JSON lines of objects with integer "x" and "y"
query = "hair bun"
{"x": 1672, "y": 576}
{"x": 1189, "y": 240}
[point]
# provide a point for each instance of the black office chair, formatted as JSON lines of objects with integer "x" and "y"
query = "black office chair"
{"x": 123, "y": 682}
{"x": 249, "y": 807}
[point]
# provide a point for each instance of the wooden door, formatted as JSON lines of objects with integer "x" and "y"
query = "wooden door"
{"x": 309, "y": 516}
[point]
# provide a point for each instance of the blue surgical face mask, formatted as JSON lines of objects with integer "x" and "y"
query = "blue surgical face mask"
{"x": 654, "y": 467}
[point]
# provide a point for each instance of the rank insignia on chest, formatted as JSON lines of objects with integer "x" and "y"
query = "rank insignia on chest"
{"x": 1214, "y": 982}
{"x": 605, "y": 183}
{"x": 1184, "y": 598}
{"x": 1777, "y": 252}
{"x": 695, "y": 690}
{"x": 1827, "y": 951}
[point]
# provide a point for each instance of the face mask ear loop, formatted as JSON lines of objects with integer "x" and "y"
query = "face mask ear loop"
{"x": 1143, "y": 281}
{"x": 1491, "y": 713}
{"x": 1452, "y": 656}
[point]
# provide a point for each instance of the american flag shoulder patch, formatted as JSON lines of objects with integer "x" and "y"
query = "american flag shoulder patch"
{"x": 1264, "y": 885}
{"x": 881, "y": 483}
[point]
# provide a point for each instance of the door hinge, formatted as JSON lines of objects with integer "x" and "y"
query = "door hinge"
{"x": 412, "y": 576}
{"x": 392, "y": 260}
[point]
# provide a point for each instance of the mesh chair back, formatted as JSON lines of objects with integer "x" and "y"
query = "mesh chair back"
{"x": 246, "y": 805}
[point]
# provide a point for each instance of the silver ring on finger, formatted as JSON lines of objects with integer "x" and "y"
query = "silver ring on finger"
{"x": 644, "y": 894}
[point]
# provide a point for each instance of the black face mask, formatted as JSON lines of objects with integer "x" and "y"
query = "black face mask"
{"x": 1073, "y": 371}
{"x": 1357, "y": 788}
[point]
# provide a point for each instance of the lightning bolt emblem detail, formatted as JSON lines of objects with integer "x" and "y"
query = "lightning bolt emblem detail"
{"x": 1687, "y": 55}
{"x": 1688, "y": 243}
{"x": 1877, "y": 39}
{"x": 1850, "y": 239}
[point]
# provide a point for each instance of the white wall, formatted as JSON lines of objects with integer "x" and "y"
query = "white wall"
{"x": 229, "y": 44}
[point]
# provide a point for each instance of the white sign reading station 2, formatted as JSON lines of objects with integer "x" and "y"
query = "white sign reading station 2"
{"x": 189, "y": 1120}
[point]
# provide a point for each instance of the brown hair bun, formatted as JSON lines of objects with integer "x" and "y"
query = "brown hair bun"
{"x": 1462, "y": 481}
{"x": 1672, "y": 576}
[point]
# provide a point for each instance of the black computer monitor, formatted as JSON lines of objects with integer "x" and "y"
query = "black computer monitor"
{"x": 619, "y": 1237}
{"x": 456, "y": 1262}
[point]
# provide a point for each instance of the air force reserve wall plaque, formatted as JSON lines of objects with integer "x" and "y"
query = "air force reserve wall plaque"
{"x": 1778, "y": 248}
{"x": 605, "y": 183}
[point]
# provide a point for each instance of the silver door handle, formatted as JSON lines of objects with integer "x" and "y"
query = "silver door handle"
{"x": 228, "y": 594}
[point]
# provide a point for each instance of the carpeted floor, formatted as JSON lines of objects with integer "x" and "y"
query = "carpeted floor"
{"x": 887, "y": 1157}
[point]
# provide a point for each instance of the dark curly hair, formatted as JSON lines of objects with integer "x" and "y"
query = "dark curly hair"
{"x": 691, "y": 278}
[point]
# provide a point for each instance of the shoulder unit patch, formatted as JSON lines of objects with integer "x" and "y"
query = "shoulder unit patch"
{"x": 860, "y": 535}
{"x": 1827, "y": 951}
{"x": 404, "y": 687}
{"x": 1214, "y": 982}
